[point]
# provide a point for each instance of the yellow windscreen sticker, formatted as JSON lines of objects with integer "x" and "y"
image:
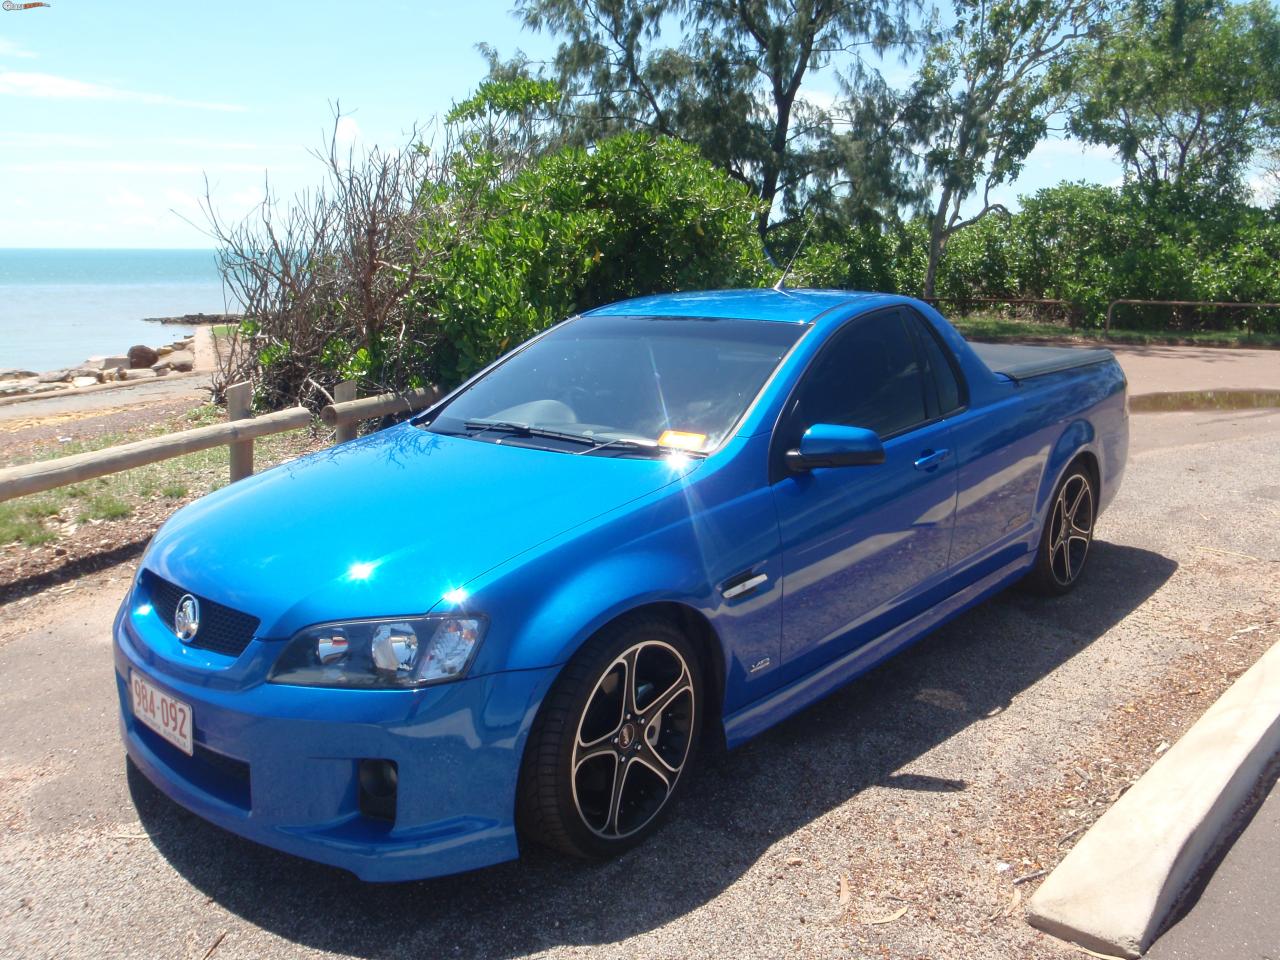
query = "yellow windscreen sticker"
{"x": 681, "y": 440}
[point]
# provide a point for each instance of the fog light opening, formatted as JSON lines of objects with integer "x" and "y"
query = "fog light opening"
{"x": 379, "y": 780}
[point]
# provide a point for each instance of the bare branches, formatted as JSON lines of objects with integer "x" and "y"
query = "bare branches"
{"x": 330, "y": 267}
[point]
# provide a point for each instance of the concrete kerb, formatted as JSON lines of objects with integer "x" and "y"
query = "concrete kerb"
{"x": 1117, "y": 885}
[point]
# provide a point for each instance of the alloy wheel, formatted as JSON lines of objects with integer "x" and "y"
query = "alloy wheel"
{"x": 1071, "y": 531}
{"x": 633, "y": 739}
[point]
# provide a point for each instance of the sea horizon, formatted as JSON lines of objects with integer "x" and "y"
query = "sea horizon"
{"x": 61, "y": 305}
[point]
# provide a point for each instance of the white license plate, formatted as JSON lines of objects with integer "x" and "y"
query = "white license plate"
{"x": 166, "y": 715}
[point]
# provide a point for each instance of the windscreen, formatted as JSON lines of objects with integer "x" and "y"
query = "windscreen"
{"x": 663, "y": 382}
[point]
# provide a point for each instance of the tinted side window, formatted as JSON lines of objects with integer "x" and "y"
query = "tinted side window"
{"x": 938, "y": 367}
{"x": 869, "y": 376}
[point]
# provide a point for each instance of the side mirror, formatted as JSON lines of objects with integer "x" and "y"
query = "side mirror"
{"x": 832, "y": 445}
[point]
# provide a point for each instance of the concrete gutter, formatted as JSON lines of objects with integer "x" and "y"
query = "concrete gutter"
{"x": 1116, "y": 887}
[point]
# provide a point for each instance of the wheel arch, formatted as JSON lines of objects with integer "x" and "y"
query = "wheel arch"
{"x": 695, "y": 625}
{"x": 1076, "y": 443}
{"x": 1090, "y": 461}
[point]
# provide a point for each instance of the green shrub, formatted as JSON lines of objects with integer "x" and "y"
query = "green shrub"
{"x": 1088, "y": 245}
{"x": 633, "y": 216}
{"x": 979, "y": 261}
{"x": 833, "y": 256}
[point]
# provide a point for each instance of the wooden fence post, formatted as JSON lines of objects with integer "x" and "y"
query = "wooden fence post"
{"x": 239, "y": 397}
{"x": 343, "y": 392}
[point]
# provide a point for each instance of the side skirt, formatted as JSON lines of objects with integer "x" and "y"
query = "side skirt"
{"x": 759, "y": 716}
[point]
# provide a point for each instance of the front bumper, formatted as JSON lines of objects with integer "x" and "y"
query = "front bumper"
{"x": 278, "y": 764}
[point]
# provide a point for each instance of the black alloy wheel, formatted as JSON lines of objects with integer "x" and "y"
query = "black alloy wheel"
{"x": 610, "y": 748}
{"x": 1068, "y": 534}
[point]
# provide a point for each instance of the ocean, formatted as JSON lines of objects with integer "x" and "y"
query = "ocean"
{"x": 59, "y": 307}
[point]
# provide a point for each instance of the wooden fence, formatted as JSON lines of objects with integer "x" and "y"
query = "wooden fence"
{"x": 239, "y": 432}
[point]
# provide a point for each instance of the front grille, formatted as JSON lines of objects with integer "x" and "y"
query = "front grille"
{"x": 222, "y": 629}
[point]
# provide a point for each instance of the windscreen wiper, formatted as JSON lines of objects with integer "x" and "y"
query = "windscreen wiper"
{"x": 624, "y": 443}
{"x": 526, "y": 430}
{"x": 592, "y": 443}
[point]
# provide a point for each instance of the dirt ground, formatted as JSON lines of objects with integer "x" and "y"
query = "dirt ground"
{"x": 909, "y": 815}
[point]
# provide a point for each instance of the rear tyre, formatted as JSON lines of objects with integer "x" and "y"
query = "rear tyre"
{"x": 614, "y": 741}
{"x": 1067, "y": 535}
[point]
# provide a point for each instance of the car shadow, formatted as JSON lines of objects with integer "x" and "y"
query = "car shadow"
{"x": 740, "y": 803}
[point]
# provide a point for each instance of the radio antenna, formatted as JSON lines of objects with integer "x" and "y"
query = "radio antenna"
{"x": 782, "y": 280}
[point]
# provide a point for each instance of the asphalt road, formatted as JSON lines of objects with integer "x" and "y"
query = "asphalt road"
{"x": 903, "y": 782}
{"x": 1234, "y": 911}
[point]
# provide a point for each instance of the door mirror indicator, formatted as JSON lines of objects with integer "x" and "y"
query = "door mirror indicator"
{"x": 833, "y": 445}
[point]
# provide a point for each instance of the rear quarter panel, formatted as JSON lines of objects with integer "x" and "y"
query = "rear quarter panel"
{"x": 1013, "y": 451}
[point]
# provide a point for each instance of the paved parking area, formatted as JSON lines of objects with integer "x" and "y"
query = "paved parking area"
{"x": 1233, "y": 913}
{"x": 1159, "y": 369}
{"x": 891, "y": 820}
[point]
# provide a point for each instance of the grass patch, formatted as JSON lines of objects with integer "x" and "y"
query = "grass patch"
{"x": 980, "y": 326}
{"x": 148, "y": 492}
{"x": 17, "y": 525}
{"x": 986, "y": 327}
{"x": 104, "y": 506}
{"x": 39, "y": 509}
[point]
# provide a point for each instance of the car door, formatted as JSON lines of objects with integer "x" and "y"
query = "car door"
{"x": 860, "y": 543}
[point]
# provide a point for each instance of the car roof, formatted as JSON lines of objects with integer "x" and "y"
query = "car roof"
{"x": 784, "y": 306}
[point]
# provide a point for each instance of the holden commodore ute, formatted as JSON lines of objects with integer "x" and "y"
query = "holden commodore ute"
{"x": 515, "y": 616}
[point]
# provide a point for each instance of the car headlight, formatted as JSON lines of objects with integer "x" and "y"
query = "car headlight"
{"x": 389, "y": 653}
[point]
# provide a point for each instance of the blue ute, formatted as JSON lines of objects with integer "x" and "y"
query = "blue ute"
{"x": 515, "y": 616}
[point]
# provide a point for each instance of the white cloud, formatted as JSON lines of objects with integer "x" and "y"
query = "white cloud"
{"x": 347, "y": 132}
{"x": 213, "y": 144}
{"x": 124, "y": 199}
{"x": 821, "y": 99}
{"x": 30, "y": 140}
{"x": 1064, "y": 154}
{"x": 129, "y": 166}
{"x": 246, "y": 199}
{"x": 183, "y": 201}
{"x": 1067, "y": 147}
{"x": 48, "y": 85}
{"x": 58, "y": 141}
{"x": 1264, "y": 188}
{"x": 10, "y": 49}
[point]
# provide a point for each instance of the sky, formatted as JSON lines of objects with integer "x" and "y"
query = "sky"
{"x": 113, "y": 113}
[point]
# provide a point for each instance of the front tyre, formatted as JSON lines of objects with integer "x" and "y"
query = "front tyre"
{"x": 612, "y": 744}
{"x": 1068, "y": 534}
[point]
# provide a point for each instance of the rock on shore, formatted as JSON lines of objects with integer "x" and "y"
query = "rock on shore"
{"x": 196, "y": 319}
{"x": 141, "y": 362}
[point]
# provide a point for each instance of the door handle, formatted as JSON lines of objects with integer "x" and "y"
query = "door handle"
{"x": 930, "y": 459}
{"x": 742, "y": 584}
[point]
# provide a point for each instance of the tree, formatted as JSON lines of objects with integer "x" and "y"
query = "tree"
{"x": 1188, "y": 91}
{"x": 731, "y": 84}
{"x": 635, "y": 215}
{"x": 505, "y": 125}
{"x": 983, "y": 100}
{"x": 322, "y": 279}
